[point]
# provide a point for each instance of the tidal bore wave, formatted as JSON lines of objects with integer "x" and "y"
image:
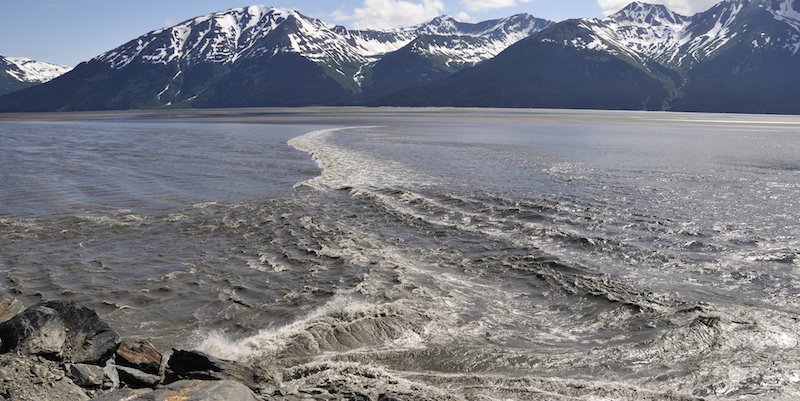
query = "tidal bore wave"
{"x": 446, "y": 268}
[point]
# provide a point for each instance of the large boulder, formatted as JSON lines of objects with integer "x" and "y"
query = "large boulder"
{"x": 136, "y": 378}
{"x": 90, "y": 338}
{"x": 62, "y": 330}
{"x": 225, "y": 390}
{"x": 36, "y": 331}
{"x": 139, "y": 355}
{"x": 197, "y": 365}
{"x": 127, "y": 394}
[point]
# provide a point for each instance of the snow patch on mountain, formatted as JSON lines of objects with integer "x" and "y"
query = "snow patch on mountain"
{"x": 217, "y": 38}
{"x": 644, "y": 31}
{"x": 27, "y": 70}
{"x": 788, "y": 14}
{"x": 255, "y": 31}
{"x": 707, "y": 43}
{"x": 641, "y": 30}
{"x": 466, "y": 44}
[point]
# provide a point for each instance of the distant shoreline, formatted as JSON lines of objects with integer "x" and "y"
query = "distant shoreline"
{"x": 359, "y": 115}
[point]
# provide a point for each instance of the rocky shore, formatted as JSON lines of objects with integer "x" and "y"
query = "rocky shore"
{"x": 59, "y": 350}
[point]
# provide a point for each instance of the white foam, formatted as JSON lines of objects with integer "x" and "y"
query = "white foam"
{"x": 349, "y": 168}
{"x": 119, "y": 218}
{"x": 340, "y": 324}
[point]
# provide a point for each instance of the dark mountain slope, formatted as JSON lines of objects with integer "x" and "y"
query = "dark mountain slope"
{"x": 266, "y": 56}
{"x": 755, "y": 71}
{"x": 19, "y": 72}
{"x": 286, "y": 79}
{"x": 93, "y": 86}
{"x": 541, "y": 72}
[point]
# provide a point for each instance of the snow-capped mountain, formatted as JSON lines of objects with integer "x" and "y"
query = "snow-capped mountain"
{"x": 251, "y": 32}
{"x": 645, "y": 31}
{"x": 268, "y": 56}
{"x": 254, "y": 31}
{"x": 19, "y": 72}
{"x": 257, "y": 31}
{"x": 738, "y": 56}
{"x": 27, "y": 70}
{"x": 641, "y": 31}
{"x": 472, "y": 43}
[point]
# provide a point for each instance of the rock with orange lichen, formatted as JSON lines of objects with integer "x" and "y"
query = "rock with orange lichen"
{"x": 186, "y": 390}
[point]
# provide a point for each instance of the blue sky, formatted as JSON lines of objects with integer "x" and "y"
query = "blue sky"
{"x": 71, "y": 31}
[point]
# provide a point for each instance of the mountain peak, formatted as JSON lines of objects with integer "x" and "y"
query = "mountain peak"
{"x": 639, "y": 13}
{"x": 219, "y": 37}
{"x": 518, "y": 26}
{"x": 19, "y": 72}
{"x": 443, "y": 24}
{"x": 444, "y": 18}
{"x": 27, "y": 70}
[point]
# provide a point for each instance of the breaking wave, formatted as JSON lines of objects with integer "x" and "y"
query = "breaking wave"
{"x": 450, "y": 268}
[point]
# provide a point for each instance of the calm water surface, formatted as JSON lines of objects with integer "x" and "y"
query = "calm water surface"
{"x": 484, "y": 254}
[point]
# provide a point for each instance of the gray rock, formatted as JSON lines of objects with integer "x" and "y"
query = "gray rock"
{"x": 223, "y": 390}
{"x": 139, "y": 355}
{"x": 90, "y": 338}
{"x": 60, "y": 329}
{"x": 87, "y": 376}
{"x": 9, "y": 307}
{"x": 195, "y": 390}
{"x": 136, "y": 378}
{"x": 34, "y": 378}
{"x": 110, "y": 369}
{"x": 126, "y": 394}
{"x": 38, "y": 330}
{"x": 197, "y": 365}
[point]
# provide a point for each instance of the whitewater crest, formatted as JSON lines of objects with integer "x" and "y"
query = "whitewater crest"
{"x": 346, "y": 168}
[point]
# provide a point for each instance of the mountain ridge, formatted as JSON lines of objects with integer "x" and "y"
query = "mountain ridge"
{"x": 738, "y": 56}
{"x": 185, "y": 65}
{"x": 20, "y": 72}
{"x": 255, "y": 31}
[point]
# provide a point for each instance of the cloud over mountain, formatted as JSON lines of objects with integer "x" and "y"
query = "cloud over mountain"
{"x": 477, "y": 5}
{"x": 382, "y": 14}
{"x": 683, "y": 7}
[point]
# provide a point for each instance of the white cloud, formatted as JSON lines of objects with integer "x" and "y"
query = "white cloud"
{"x": 391, "y": 13}
{"x": 463, "y": 17}
{"x": 684, "y": 7}
{"x": 340, "y": 15}
{"x": 478, "y": 5}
